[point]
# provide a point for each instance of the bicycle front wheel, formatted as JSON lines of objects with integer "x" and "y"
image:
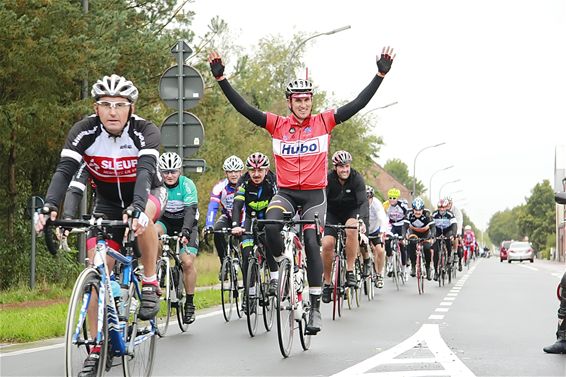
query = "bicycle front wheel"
{"x": 227, "y": 288}
{"x": 306, "y": 305}
{"x": 140, "y": 340}
{"x": 285, "y": 310}
{"x": 80, "y": 330}
{"x": 267, "y": 302}
{"x": 164, "y": 278}
{"x": 252, "y": 294}
{"x": 181, "y": 293}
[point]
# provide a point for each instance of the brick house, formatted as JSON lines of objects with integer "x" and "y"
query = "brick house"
{"x": 382, "y": 181}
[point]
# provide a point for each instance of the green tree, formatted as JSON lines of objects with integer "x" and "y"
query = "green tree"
{"x": 400, "y": 171}
{"x": 537, "y": 220}
{"x": 503, "y": 225}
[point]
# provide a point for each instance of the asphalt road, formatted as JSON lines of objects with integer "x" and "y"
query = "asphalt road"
{"x": 492, "y": 321}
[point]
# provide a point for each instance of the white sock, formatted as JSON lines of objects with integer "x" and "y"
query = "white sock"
{"x": 149, "y": 279}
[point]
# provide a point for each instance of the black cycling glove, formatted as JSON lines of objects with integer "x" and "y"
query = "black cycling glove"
{"x": 217, "y": 68}
{"x": 186, "y": 233}
{"x": 384, "y": 64}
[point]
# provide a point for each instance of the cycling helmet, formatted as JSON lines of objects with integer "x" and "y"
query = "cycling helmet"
{"x": 299, "y": 86}
{"x": 114, "y": 86}
{"x": 370, "y": 191}
{"x": 467, "y": 227}
{"x": 257, "y": 160}
{"x": 394, "y": 193}
{"x": 443, "y": 203}
{"x": 233, "y": 163}
{"x": 418, "y": 204}
{"x": 170, "y": 161}
{"x": 341, "y": 158}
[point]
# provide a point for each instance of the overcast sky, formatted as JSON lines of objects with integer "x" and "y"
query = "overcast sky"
{"x": 488, "y": 77}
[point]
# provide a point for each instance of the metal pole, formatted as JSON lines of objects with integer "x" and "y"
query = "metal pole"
{"x": 32, "y": 261}
{"x": 181, "y": 94}
{"x": 415, "y": 165}
{"x": 83, "y": 205}
{"x": 446, "y": 183}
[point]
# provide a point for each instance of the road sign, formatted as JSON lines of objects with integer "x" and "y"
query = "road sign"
{"x": 193, "y": 87}
{"x": 194, "y": 166}
{"x": 193, "y": 134}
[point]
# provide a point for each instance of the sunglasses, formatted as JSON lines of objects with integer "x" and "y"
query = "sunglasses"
{"x": 113, "y": 105}
{"x": 169, "y": 172}
{"x": 393, "y": 198}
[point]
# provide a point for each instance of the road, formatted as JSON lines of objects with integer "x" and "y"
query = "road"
{"x": 492, "y": 321}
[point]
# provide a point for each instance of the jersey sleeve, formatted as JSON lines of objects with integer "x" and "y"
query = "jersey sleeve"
{"x": 190, "y": 195}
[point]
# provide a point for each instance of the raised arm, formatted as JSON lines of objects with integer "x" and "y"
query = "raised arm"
{"x": 384, "y": 63}
{"x": 257, "y": 117}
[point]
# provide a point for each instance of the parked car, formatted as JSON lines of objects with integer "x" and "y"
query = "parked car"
{"x": 520, "y": 251}
{"x": 503, "y": 250}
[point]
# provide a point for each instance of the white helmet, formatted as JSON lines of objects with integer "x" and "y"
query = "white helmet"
{"x": 341, "y": 158}
{"x": 299, "y": 86}
{"x": 233, "y": 163}
{"x": 114, "y": 86}
{"x": 467, "y": 227}
{"x": 170, "y": 161}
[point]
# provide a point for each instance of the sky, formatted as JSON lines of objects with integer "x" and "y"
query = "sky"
{"x": 486, "y": 77}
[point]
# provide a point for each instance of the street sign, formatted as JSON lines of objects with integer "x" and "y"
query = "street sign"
{"x": 193, "y": 85}
{"x": 194, "y": 166}
{"x": 193, "y": 134}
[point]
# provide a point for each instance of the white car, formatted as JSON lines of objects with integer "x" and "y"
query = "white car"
{"x": 520, "y": 251}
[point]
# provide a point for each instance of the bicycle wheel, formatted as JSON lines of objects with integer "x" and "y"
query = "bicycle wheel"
{"x": 342, "y": 291}
{"x": 252, "y": 295}
{"x": 164, "y": 278}
{"x": 285, "y": 310}
{"x": 267, "y": 302}
{"x": 140, "y": 341}
{"x": 358, "y": 274}
{"x": 395, "y": 274}
{"x": 238, "y": 288}
{"x": 227, "y": 288}
{"x": 419, "y": 274}
{"x": 441, "y": 268}
{"x": 181, "y": 293}
{"x": 305, "y": 299}
{"x": 335, "y": 286}
{"x": 78, "y": 338}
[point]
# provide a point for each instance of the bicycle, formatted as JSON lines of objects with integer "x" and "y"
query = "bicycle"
{"x": 257, "y": 287}
{"x": 420, "y": 263}
{"x": 292, "y": 306}
{"x": 231, "y": 275}
{"x": 444, "y": 266}
{"x": 170, "y": 277}
{"x": 118, "y": 331}
{"x": 340, "y": 290}
{"x": 397, "y": 264}
{"x": 369, "y": 282}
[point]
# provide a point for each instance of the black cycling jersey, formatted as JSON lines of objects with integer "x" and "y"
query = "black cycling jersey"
{"x": 254, "y": 198}
{"x": 342, "y": 114}
{"x": 348, "y": 197}
{"x": 422, "y": 221}
{"x": 445, "y": 223}
{"x": 122, "y": 167}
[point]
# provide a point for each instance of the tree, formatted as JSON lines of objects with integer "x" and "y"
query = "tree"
{"x": 400, "y": 171}
{"x": 503, "y": 225}
{"x": 537, "y": 220}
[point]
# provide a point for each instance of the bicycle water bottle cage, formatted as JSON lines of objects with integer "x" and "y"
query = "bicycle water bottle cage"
{"x": 287, "y": 216}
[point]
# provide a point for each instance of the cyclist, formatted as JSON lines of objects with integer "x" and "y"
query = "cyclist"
{"x": 255, "y": 190}
{"x": 300, "y": 146}
{"x": 378, "y": 223}
{"x": 347, "y": 202}
{"x": 458, "y": 244}
{"x": 445, "y": 224}
{"x": 222, "y": 195}
{"x": 419, "y": 223}
{"x": 560, "y": 345}
{"x": 120, "y": 150}
{"x": 181, "y": 216}
{"x": 396, "y": 211}
{"x": 469, "y": 239}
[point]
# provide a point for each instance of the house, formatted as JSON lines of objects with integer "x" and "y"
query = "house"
{"x": 382, "y": 181}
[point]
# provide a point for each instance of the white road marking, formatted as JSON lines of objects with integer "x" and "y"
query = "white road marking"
{"x": 427, "y": 336}
{"x": 449, "y": 298}
{"x": 452, "y": 294}
{"x": 436, "y": 316}
{"x": 557, "y": 275}
{"x": 444, "y": 310}
{"x": 446, "y": 303}
{"x": 59, "y": 345}
{"x": 529, "y": 267}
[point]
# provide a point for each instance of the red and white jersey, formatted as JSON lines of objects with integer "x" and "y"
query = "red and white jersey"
{"x": 469, "y": 238}
{"x": 301, "y": 149}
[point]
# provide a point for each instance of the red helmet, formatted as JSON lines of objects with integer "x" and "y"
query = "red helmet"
{"x": 443, "y": 203}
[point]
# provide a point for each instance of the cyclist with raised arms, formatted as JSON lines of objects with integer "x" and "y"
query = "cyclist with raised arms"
{"x": 120, "y": 152}
{"x": 222, "y": 196}
{"x": 254, "y": 193}
{"x": 445, "y": 224}
{"x": 378, "y": 224}
{"x": 347, "y": 202}
{"x": 300, "y": 147}
{"x": 181, "y": 216}
{"x": 419, "y": 223}
{"x": 396, "y": 211}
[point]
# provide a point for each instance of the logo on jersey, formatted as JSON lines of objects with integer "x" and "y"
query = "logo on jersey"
{"x": 108, "y": 169}
{"x": 301, "y": 148}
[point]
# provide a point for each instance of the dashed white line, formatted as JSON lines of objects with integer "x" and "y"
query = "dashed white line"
{"x": 445, "y": 303}
{"x": 528, "y": 267}
{"x": 441, "y": 309}
{"x": 436, "y": 316}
